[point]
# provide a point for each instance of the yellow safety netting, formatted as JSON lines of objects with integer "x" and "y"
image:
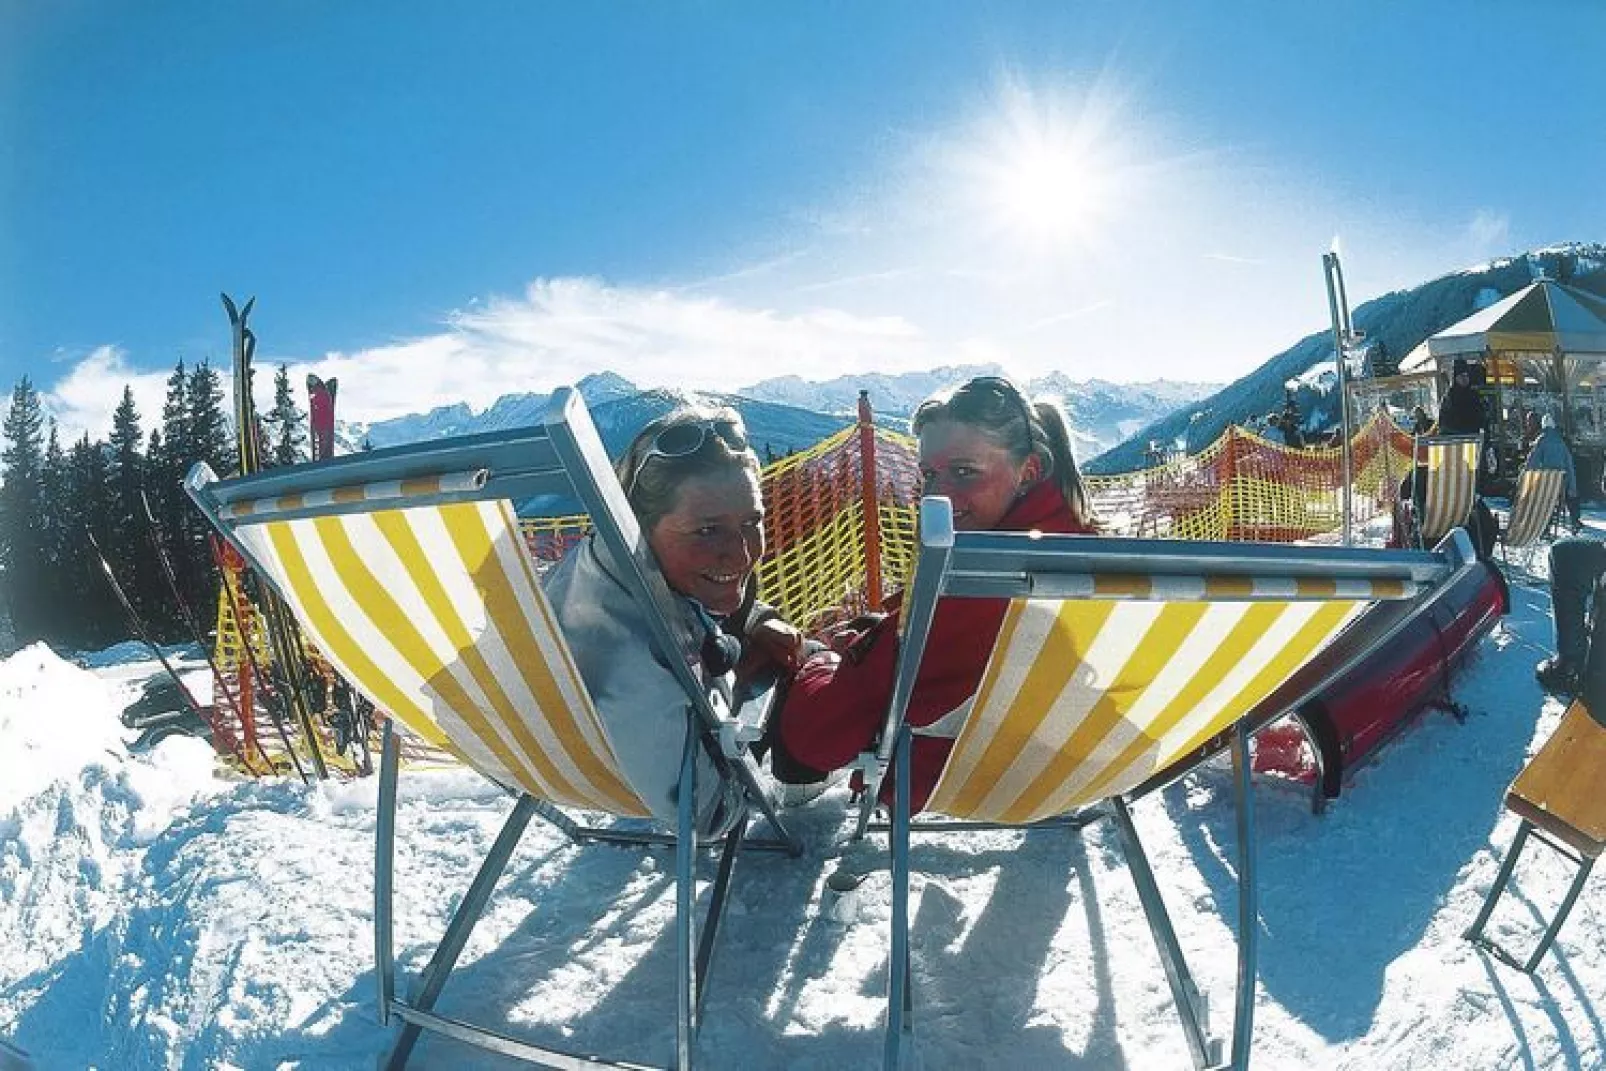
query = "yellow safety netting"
{"x": 1240, "y": 487}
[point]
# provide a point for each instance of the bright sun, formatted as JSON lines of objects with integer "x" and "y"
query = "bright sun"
{"x": 1046, "y": 169}
{"x": 1047, "y": 189}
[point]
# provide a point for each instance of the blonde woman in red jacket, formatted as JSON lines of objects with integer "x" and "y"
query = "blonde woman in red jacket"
{"x": 1006, "y": 465}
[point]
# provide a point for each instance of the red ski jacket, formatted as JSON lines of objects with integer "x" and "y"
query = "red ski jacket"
{"x": 835, "y": 705}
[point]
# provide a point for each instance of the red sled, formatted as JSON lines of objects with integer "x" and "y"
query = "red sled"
{"x": 1408, "y": 654}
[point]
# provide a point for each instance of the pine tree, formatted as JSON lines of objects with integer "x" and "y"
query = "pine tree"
{"x": 60, "y": 618}
{"x": 126, "y": 546}
{"x": 86, "y": 509}
{"x": 21, "y": 527}
{"x": 285, "y": 422}
{"x": 167, "y": 456}
{"x": 208, "y": 430}
{"x": 206, "y": 438}
{"x": 167, "y": 459}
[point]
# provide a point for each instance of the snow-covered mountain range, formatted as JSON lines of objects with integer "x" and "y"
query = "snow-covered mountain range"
{"x": 791, "y": 413}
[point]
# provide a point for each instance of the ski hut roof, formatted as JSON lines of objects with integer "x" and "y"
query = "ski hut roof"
{"x": 1542, "y": 318}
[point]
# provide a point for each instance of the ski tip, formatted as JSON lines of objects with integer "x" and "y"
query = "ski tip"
{"x": 330, "y": 385}
{"x": 313, "y": 382}
{"x": 250, "y": 302}
{"x": 228, "y": 305}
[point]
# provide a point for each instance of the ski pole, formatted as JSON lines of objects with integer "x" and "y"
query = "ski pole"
{"x": 193, "y": 625}
{"x": 235, "y": 601}
{"x": 145, "y": 636}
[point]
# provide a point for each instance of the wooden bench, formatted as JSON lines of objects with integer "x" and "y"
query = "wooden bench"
{"x": 1561, "y": 798}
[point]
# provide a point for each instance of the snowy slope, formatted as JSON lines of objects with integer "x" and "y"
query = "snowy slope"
{"x": 153, "y": 916}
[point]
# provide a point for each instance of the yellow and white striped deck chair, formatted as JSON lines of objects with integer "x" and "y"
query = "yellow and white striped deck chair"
{"x": 1539, "y": 492}
{"x": 407, "y": 568}
{"x": 1445, "y": 500}
{"x": 1121, "y": 664}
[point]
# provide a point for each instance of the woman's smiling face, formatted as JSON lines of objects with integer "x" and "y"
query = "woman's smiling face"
{"x": 977, "y": 475}
{"x": 708, "y": 545}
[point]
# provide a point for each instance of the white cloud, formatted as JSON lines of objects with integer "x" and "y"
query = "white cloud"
{"x": 84, "y": 399}
{"x": 559, "y": 331}
{"x": 563, "y": 329}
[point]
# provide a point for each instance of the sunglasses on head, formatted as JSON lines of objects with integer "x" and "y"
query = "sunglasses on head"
{"x": 683, "y": 440}
{"x": 997, "y": 387}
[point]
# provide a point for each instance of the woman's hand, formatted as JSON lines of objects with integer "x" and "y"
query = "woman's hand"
{"x": 778, "y": 642}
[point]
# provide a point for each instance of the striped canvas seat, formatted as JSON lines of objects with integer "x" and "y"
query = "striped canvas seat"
{"x": 435, "y": 614}
{"x": 407, "y": 568}
{"x": 1126, "y": 688}
{"x": 1452, "y": 483}
{"x": 1538, "y": 493}
{"x": 1120, "y": 665}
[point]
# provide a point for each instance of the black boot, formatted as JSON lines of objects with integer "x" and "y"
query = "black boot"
{"x": 1557, "y": 676}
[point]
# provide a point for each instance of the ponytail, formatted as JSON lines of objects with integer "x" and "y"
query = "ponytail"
{"x": 1051, "y": 440}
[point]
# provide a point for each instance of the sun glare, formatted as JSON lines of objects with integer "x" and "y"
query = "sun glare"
{"x": 1047, "y": 190}
{"x": 1046, "y": 168}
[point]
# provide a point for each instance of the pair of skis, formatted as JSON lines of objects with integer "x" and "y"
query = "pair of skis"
{"x": 291, "y": 684}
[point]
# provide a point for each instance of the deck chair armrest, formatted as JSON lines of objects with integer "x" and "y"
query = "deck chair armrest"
{"x": 739, "y": 731}
{"x": 871, "y": 767}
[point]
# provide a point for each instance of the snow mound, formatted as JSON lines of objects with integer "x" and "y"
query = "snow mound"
{"x": 55, "y": 719}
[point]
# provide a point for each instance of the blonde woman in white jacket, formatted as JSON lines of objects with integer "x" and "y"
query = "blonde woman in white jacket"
{"x": 692, "y": 481}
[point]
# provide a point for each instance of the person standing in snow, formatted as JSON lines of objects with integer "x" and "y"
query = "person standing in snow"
{"x": 1577, "y": 565}
{"x": 692, "y": 480}
{"x": 1006, "y": 465}
{"x": 1549, "y": 453}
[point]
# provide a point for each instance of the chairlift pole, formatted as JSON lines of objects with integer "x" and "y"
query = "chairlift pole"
{"x": 1339, "y": 308}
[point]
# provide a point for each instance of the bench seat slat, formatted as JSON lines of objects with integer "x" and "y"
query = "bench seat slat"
{"x": 1562, "y": 790}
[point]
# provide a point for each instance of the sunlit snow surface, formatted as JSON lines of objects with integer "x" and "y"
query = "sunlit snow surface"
{"x": 153, "y": 915}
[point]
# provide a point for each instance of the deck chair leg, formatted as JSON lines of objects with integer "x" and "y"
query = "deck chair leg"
{"x": 900, "y": 999}
{"x": 384, "y": 871}
{"x": 686, "y": 983}
{"x": 717, "y": 899}
{"x": 1475, "y": 931}
{"x": 1243, "y": 792}
{"x": 1184, "y": 992}
{"x": 1561, "y": 915}
{"x": 433, "y": 980}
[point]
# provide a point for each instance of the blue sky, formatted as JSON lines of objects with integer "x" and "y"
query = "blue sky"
{"x": 448, "y": 202}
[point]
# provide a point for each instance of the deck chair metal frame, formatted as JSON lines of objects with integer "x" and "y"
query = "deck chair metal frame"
{"x": 1447, "y": 498}
{"x": 563, "y": 456}
{"x": 1556, "y": 800}
{"x": 1017, "y": 565}
{"x": 1533, "y": 509}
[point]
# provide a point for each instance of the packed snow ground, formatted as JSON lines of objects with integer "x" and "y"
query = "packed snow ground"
{"x": 153, "y": 915}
